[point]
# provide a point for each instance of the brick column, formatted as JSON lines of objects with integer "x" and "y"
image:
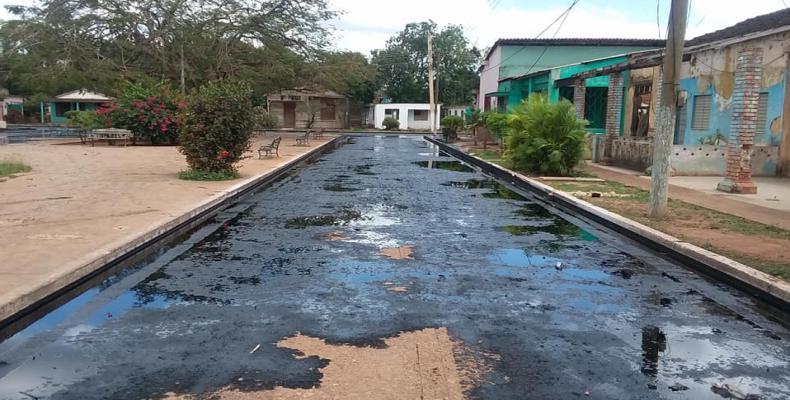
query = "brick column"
{"x": 745, "y": 97}
{"x": 579, "y": 92}
{"x": 614, "y": 108}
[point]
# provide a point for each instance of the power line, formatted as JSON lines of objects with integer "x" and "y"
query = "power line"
{"x": 554, "y": 36}
{"x": 658, "y": 20}
{"x": 561, "y": 16}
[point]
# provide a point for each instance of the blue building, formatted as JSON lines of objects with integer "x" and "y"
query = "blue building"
{"x": 56, "y": 108}
{"x": 733, "y": 90}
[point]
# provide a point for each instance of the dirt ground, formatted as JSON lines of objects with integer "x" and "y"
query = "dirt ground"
{"x": 79, "y": 199}
{"x": 760, "y": 246}
{"x": 425, "y": 364}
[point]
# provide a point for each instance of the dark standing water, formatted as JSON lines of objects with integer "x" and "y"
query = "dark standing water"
{"x": 611, "y": 318}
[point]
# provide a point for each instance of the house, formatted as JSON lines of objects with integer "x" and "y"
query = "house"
{"x": 302, "y": 108}
{"x": 732, "y": 94}
{"x": 518, "y": 57}
{"x": 75, "y": 100}
{"x": 458, "y": 111}
{"x": 410, "y": 115}
{"x": 547, "y": 81}
{"x": 12, "y": 105}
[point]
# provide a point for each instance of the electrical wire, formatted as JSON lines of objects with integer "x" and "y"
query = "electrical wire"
{"x": 562, "y": 16}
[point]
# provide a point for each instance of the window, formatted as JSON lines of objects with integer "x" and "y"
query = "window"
{"x": 680, "y": 125}
{"x": 392, "y": 113}
{"x": 62, "y": 108}
{"x": 421, "y": 115}
{"x": 700, "y": 119}
{"x": 762, "y": 114}
{"x": 327, "y": 110}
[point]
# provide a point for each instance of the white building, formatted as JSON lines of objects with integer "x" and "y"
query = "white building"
{"x": 410, "y": 115}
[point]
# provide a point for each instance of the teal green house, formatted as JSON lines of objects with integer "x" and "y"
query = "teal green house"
{"x": 55, "y": 109}
{"x": 537, "y": 59}
{"x": 553, "y": 82}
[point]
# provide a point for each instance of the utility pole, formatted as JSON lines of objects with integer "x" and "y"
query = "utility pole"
{"x": 432, "y": 117}
{"x": 183, "y": 78}
{"x": 665, "y": 117}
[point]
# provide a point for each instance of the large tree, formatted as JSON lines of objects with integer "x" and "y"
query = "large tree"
{"x": 65, "y": 44}
{"x": 403, "y": 64}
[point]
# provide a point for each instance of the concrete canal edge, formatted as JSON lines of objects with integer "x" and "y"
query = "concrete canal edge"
{"x": 757, "y": 283}
{"x": 121, "y": 252}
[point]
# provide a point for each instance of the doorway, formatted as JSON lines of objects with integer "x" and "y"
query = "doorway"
{"x": 289, "y": 115}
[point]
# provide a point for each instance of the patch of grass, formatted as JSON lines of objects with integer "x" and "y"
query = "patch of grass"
{"x": 628, "y": 192}
{"x": 492, "y": 157}
{"x": 9, "y": 167}
{"x": 192, "y": 175}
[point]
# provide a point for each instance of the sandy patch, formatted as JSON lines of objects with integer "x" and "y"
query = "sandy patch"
{"x": 398, "y": 253}
{"x": 425, "y": 364}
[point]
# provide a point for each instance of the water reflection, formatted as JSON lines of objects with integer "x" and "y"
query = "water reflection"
{"x": 654, "y": 341}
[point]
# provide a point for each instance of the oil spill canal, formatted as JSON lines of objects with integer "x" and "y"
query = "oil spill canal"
{"x": 547, "y": 306}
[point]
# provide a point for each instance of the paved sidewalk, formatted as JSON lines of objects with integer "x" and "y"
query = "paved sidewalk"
{"x": 771, "y": 205}
{"x": 81, "y": 203}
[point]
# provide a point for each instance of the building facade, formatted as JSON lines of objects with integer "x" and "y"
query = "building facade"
{"x": 732, "y": 95}
{"x": 410, "y": 115}
{"x": 518, "y": 57}
{"x": 55, "y": 109}
{"x": 301, "y": 108}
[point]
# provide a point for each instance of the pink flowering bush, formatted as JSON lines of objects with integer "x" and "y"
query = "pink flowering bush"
{"x": 151, "y": 113}
{"x": 216, "y": 129}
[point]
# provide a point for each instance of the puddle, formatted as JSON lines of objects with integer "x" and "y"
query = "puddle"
{"x": 654, "y": 341}
{"x": 455, "y": 166}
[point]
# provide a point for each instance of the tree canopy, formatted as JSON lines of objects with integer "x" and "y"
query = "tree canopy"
{"x": 403, "y": 64}
{"x": 97, "y": 44}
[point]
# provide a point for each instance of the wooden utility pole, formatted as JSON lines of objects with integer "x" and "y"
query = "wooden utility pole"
{"x": 432, "y": 117}
{"x": 665, "y": 117}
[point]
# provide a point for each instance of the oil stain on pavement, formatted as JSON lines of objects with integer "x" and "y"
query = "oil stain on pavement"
{"x": 389, "y": 270}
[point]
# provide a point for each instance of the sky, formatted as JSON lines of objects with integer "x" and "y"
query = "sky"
{"x": 367, "y": 24}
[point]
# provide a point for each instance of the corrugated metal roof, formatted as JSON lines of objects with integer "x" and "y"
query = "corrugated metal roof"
{"x": 81, "y": 95}
{"x": 752, "y": 25}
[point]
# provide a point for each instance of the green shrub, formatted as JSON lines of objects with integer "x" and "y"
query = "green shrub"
{"x": 545, "y": 138}
{"x": 264, "y": 120}
{"x": 453, "y": 123}
{"x": 85, "y": 120}
{"x": 192, "y": 175}
{"x": 495, "y": 122}
{"x": 217, "y": 127}
{"x": 390, "y": 123}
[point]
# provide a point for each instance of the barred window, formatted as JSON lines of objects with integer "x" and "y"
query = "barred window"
{"x": 762, "y": 114}
{"x": 700, "y": 120}
{"x": 421, "y": 115}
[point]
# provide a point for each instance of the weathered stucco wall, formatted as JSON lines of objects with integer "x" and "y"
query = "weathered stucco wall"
{"x": 489, "y": 77}
{"x": 711, "y": 160}
{"x": 712, "y": 73}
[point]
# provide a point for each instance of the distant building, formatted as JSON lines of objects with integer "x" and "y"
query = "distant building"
{"x": 75, "y": 100}
{"x": 733, "y": 91}
{"x": 300, "y": 107}
{"x": 517, "y": 57}
{"x": 410, "y": 115}
{"x": 11, "y": 105}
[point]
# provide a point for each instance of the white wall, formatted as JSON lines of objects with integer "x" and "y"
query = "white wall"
{"x": 489, "y": 78}
{"x": 405, "y": 115}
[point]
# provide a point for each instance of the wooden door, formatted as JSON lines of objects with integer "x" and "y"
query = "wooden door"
{"x": 289, "y": 115}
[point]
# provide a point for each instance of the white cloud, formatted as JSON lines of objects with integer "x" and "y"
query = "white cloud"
{"x": 367, "y": 24}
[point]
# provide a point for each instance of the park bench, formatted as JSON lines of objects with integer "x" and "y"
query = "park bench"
{"x": 111, "y": 135}
{"x": 304, "y": 139}
{"x": 268, "y": 149}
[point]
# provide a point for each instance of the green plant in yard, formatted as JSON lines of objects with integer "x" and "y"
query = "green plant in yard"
{"x": 264, "y": 120}
{"x": 453, "y": 123}
{"x": 10, "y": 167}
{"x": 545, "y": 138}
{"x": 216, "y": 128}
{"x": 390, "y": 123}
{"x": 85, "y": 120}
{"x": 496, "y": 123}
{"x": 150, "y": 112}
